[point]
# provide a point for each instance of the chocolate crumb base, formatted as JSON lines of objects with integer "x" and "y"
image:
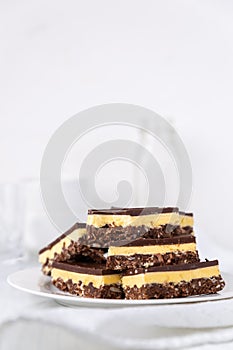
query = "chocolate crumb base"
{"x": 76, "y": 252}
{"x": 111, "y": 291}
{"x": 142, "y": 242}
{"x": 47, "y": 267}
{"x": 105, "y": 236}
{"x": 135, "y": 261}
{"x": 79, "y": 251}
{"x": 196, "y": 286}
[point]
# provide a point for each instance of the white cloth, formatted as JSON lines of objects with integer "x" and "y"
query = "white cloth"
{"x": 45, "y": 324}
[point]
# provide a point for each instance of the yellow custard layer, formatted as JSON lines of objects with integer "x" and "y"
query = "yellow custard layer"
{"x": 97, "y": 280}
{"x": 170, "y": 276}
{"x": 186, "y": 220}
{"x": 153, "y": 249}
{"x": 152, "y": 220}
{"x": 57, "y": 248}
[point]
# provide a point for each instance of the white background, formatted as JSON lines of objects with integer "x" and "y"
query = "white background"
{"x": 175, "y": 57}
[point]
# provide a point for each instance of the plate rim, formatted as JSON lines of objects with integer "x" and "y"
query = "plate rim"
{"x": 71, "y": 300}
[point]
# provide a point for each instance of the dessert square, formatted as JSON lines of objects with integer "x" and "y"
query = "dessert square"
{"x": 145, "y": 252}
{"x": 68, "y": 246}
{"x": 55, "y": 248}
{"x": 173, "y": 281}
{"x": 89, "y": 280}
{"x": 106, "y": 226}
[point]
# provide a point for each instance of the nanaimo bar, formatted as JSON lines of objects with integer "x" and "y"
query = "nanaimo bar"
{"x": 67, "y": 246}
{"x": 88, "y": 280}
{"x": 105, "y": 226}
{"x": 173, "y": 281}
{"x": 145, "y": 252}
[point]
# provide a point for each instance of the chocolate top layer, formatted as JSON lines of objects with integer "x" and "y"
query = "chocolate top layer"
{"x": 76, "y": 226}
{"x": 184, "y": 213}
{"x": 139, "y": 242}
{"x": 132, "y": 211}
{"x": 84, "y": 267}
{"x": 166, "y": 268}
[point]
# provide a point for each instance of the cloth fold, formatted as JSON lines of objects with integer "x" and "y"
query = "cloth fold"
{"x": 127, "y": 329}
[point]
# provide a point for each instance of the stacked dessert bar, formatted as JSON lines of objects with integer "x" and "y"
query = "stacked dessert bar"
{"x": 132, "y": 253}
{"x": 67, "y": 247}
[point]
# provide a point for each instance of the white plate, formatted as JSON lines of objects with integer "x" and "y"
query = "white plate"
{"x": 32, "y": 281}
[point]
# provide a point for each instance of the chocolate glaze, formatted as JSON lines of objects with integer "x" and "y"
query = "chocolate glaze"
{"x": 76, "y": 226}
{"x": 84, "y": 267}
{"x": 132, "y": 211}
{"x": 184, "y": 213}
{"x": 167, "y": 268}
{"x": 149, "y": 241}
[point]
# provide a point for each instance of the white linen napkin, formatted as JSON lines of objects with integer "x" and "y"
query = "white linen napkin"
{"x": 152, "y": 327}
